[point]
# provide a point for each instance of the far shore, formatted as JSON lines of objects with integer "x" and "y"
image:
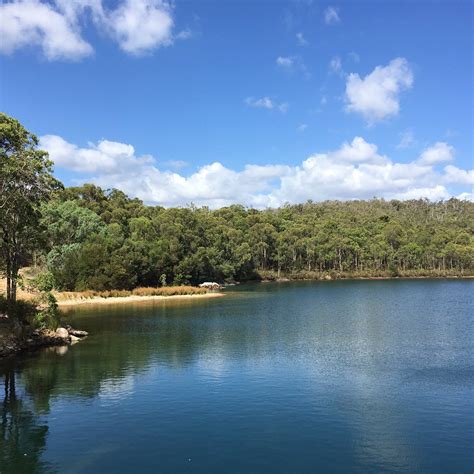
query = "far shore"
{"x": 354, "y": 278}
{"x": 131, "y": 299}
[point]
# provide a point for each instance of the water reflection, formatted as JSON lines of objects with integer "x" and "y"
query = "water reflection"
{"x": 331, "y": 377}
{"x": 23, "y": 433}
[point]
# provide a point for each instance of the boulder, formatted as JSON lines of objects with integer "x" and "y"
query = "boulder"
{"x": 78, "y": 333}
{"x": 210, "y": 285}
{"x": 74, "y": 339}
{"x": 62, "y": 333}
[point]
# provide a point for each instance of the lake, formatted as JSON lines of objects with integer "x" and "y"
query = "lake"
{"x": 338, "y": 376}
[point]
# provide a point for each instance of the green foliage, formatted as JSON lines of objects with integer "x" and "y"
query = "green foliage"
{"x": 26, "y": 181}
{"x": 48, "y": 314}
{"x": 128, "y": 245}
{"x": 44, "y": 282}
{"x": 41, "y": 312}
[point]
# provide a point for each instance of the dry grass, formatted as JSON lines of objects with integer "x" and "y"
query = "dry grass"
{"x": 147, "y": 291}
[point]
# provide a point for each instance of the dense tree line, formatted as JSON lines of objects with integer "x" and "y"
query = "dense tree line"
{"x": 102, "y": 239}
{"x": 89, "y": 238}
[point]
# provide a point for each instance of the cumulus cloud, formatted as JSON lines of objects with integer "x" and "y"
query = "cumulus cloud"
{"x": 32, "y": 23}
{"x": 376, "y": 96}
{"x": 355, "y": 170}
{"x": 453, "y": 174}
{"x": 331, "y": 16}
{"x": 138, "y": 26}
{"x": 466, "y": 196}
{"x": 267, "y": 103}
{"x": 438, "y": 153}
{"x": 103, "y": 158}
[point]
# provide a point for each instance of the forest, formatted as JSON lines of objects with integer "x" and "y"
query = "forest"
{"x": 96, "y": 239}
{"x": 90, "y": 238}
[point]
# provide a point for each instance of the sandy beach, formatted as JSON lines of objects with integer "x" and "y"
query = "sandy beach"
{"x": 132, "y": 299}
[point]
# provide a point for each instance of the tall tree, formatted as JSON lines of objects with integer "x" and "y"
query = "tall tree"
{"x": 26, "y": 181}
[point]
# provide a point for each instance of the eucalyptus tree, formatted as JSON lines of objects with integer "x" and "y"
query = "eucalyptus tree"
{"x": 26, "y": 181}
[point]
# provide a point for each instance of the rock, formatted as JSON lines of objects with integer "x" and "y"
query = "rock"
{"x": 62, "y": 333}
{"x": 78, "y": 333}
{"x": 328, "y": 277}
{"x": 210, "y": 285}
{"x": 74, "y": 339}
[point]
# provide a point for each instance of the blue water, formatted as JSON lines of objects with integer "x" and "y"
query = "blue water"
{"x": 353, "y": 376}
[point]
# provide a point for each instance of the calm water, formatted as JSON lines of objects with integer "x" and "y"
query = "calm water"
{"x": 364, "y": 376}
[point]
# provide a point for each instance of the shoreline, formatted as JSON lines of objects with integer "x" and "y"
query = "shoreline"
{"x": 356, "y": 278}
{"x": 130, "y": 299}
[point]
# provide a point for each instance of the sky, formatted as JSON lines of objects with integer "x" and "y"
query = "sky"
{"x": 259, "y": 102}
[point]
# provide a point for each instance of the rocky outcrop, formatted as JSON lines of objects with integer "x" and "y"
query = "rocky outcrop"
{"x": 14, "y": 341}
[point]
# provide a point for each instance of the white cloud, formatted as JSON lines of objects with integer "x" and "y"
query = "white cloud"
{"x": 302, "y": 127}
{"x": 375, "y": 96}
{"x": 267, "y": 103}
{"x": 331, "y": 16}
{"x": 466, "y": 196}
{"x": 356, "y": 170}
{"x": 28, "y": 23}
{"x": 453, "y": 174}
{"x": 105, "y": 157}
{"x": 438, "y": 153}
{"x": 138, "y": 26}
{"x": 285, "y": 61}
{"x": 301, "y": 39}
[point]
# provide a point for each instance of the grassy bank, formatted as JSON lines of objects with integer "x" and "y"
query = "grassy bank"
{"x": 149, "y": 291}
{"x": 135, "y": 295}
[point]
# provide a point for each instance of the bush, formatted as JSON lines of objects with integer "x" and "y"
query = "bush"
{"x": 48, "y": 314}
{"x": 44, "y": 281}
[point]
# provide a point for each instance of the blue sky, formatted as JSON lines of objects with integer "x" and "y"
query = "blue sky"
{"x": 253, "y": 102}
